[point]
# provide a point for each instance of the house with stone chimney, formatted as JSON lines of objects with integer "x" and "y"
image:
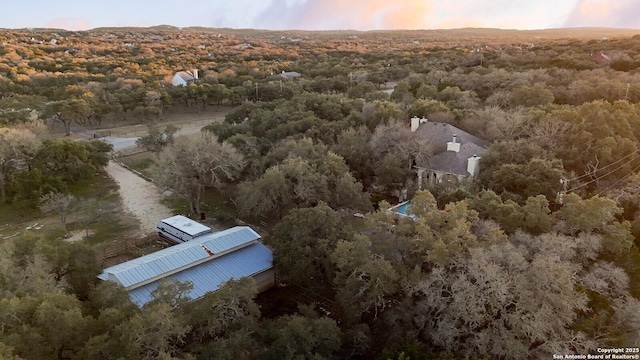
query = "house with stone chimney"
{"x": 182, "y": 78}
{"x": 456, "y": 153}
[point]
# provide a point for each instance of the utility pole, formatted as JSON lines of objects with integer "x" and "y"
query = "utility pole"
{"x": 565, "y": 184}
{"x": 256, "y": 91}
{"x": 626, "y": 95}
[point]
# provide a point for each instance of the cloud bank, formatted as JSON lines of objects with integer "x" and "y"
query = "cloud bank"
{"x": 605, "y": 13}
{"x": 411, "y": 14}
{"x": 325, "y": 14}
{"x": 340, "y": 14}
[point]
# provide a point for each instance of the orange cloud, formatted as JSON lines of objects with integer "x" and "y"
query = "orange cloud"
{"x": 354, "y": 14}
{"x": 69, "y": 24}
{"x": 411, "y": 14}
{"x": 408, "y": 15}
{"x": 595, "y": 8}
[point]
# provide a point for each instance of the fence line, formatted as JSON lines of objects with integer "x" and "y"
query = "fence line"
{"x": 124, "y": 247}
{"x": 115, "y": 156}
{"x": 128, "y": 152}
{"x": 327, "y": 306}
{"x": 138, "y": 133}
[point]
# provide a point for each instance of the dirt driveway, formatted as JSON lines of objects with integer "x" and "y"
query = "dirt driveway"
{"x": 140, "y": 198}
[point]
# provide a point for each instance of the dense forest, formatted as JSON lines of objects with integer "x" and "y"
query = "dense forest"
{"x": 538, "y": 255}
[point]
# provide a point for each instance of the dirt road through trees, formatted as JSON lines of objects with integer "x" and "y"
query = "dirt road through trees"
{"x": 139, "y": 197}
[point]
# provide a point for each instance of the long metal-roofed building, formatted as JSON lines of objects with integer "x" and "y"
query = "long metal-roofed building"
{"x": 207, "y": 262}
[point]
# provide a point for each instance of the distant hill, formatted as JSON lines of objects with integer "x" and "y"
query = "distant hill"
{"x": 486, "y": 34}
{"x": 480, "y": 33}
{"x": 134, "y": 29}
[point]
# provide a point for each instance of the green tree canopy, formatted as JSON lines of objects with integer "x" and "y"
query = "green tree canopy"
{"x": 303, "y": 242}
{"x": 297, "y": 182}
{"x": 193, "y": 163}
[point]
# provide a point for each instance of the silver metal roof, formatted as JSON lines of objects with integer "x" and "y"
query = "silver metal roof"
{"x": 187, "y": 76}
{"x": 137, "y": 272}
{"x": 210, "y": 275}
{"x": 186, "y": 225}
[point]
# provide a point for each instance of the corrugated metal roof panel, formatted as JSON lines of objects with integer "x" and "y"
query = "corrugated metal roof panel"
{"x": 209, "y": 276}
{"x": 186, "y": 76}
{"x": 226, "y": 240}
{"x": 170, "y": 259}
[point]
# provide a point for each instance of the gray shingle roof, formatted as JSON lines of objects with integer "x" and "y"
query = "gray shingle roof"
{"x": 438, "y": 135}
{"x": 451, "y": 161}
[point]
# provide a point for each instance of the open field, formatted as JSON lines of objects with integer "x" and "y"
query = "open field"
{"x": 26, "y": 220}
{"x": 183, "y": 119}
{"x": 186, "y": 120}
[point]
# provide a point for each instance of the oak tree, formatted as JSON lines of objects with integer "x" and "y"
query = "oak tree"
{"x": 193, "y": 163}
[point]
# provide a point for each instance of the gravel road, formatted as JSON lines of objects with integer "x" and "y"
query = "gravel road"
{"x": 139, "y": 197}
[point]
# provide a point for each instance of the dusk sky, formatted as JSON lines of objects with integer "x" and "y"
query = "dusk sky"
{"x": 322, "y": 14}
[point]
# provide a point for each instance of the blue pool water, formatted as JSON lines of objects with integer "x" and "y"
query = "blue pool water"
{"x": 402, "y": 209}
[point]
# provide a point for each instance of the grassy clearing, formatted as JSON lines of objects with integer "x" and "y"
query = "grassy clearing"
{"x": 109, "y": 226}
{"x": 22, "y": 220}
{"x": 23, "y": 214}
{"x": 213, "y": 203}
{"x": 107, "y": 230}
{"x": 217, "y": 207}
{"x": 143, "y": 162}
{"x": 177, "y": 116}
{"x": 12, "y": 214}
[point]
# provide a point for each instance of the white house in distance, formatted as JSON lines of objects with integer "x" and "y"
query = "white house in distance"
{"x": 207, "y": 262}
{"x": 456, "y": 153}
{"x": 182, "y": 78}
{"x": 290, "y": 75}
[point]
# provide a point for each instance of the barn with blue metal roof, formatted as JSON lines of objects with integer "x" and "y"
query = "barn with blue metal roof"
{"x": 207, "y": 262}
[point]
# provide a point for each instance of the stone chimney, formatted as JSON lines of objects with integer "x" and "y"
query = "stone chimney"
{"x": 195, "y": 73}
{"x": 415, "y": 122}
{"x": 473, "y": 165}
{"x": 453, "y": 145}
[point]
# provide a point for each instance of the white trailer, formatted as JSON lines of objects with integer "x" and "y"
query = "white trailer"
{"x": 179, "y": 229}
